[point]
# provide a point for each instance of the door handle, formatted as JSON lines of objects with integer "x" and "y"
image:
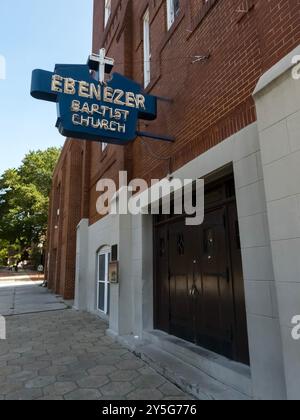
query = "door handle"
{"x": 194, "y": 291}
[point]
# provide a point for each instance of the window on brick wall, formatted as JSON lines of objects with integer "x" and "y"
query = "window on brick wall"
{"x": 107, "y": 12}
{"x": 147, "y": 49}
{"x": 173, "y": 8}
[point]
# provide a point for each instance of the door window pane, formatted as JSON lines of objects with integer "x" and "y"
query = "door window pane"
{"x": 102, "y": 264}
{"x": 101, "y": 297}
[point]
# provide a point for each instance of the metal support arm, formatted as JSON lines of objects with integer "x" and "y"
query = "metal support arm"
{"x": 155, "y": 136}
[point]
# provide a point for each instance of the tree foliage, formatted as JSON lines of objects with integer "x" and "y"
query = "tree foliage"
{"x": 24, "y": 198}
{"x": 4, "y": 247}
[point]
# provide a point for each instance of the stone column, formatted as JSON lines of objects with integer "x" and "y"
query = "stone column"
{"x": 277, "y": 98}
{"x": 121, "y": 300}
{"x": 81, "y": 283}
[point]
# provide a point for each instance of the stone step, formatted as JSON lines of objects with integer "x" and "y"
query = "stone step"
{"x": 188, "y": 378}
{"x": 233, "y": 374}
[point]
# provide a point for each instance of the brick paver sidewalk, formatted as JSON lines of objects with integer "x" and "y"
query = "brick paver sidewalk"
{"x": 66, "y": 355}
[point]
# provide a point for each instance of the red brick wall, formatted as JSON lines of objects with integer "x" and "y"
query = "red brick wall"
{"x": 209, "y": 100}
{"x": 69, "y": 194}
{"x": 118, "y": 45}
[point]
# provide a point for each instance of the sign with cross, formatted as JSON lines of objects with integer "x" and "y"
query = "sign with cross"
{"x": 92, "y": 108}
{"x": 101, "y": 64}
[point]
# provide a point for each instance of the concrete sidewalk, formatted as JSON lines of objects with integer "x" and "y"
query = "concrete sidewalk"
{"x": 21, "y": 293}
{"x": 27, "y": 298}
{"x": 22, "y": 276}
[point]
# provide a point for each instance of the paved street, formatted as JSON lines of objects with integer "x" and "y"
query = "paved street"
{"x": 64, "y": 354}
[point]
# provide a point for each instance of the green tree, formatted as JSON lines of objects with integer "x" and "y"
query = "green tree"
{"x": 24, "y": 198}
{"x": 4, "y": 247}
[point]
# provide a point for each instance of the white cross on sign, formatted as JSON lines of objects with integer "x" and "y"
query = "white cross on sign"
{"x": 104, "y": 64}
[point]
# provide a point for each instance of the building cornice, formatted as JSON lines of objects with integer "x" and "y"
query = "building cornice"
{"x": 276, "y": 71}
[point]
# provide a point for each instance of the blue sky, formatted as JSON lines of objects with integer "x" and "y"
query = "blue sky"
{"x": 36, "y": 34}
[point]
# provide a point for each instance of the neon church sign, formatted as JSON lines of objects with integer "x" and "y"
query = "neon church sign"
{"x": 98, "y": 110}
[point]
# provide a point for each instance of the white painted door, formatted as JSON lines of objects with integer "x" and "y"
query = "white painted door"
{"x": 103, "y": 281}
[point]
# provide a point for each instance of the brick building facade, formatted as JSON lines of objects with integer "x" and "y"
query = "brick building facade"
{"x": 68, "y": 205}
{"x": 223, "y": 68}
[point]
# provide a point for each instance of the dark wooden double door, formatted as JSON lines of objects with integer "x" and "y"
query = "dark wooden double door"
{"x": 199, "y": 288}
